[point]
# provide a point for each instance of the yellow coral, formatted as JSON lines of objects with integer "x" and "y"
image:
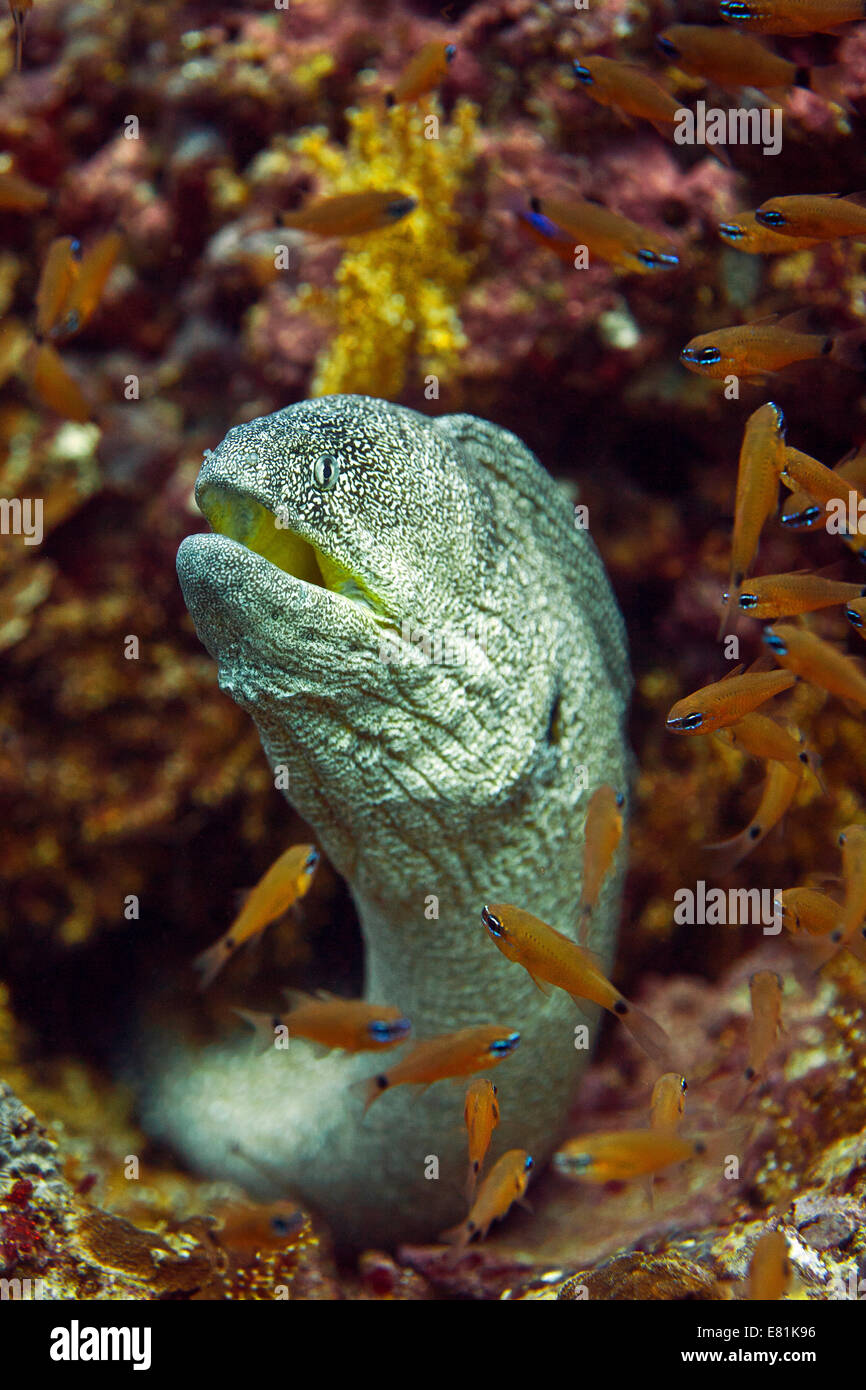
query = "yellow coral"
{"x": 396, "y": 294}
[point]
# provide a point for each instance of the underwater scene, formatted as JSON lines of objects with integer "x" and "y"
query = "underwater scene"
{"x": 432, "y": 606}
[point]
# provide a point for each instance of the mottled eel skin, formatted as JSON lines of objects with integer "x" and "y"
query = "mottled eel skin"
{"x": 421, "y": 779}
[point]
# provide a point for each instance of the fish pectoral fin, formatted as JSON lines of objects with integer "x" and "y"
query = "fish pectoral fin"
{"x": 541, "y": 985}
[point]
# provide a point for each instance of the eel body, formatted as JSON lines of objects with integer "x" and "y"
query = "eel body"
{"x": 431, "y": 649}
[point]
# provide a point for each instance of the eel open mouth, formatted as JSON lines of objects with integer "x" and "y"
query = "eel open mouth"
{"x": 246, "y": 521}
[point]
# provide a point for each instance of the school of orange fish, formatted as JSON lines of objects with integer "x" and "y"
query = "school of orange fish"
{"x": 69, "y": 291}
{"x": 728, "y": 709}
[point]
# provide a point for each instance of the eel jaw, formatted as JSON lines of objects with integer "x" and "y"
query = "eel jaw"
{"x": 245, "y": 520}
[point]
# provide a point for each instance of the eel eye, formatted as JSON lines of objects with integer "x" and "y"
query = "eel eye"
{"x": 770, "y": 218}
{"x": 583, "y": 73}
{"x": 493, "y": 924}
{"x": 326, "y": 471}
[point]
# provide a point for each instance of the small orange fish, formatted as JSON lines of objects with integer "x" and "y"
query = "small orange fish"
{"x": 351, "y": 214}
{"x": 285, "y": 882}
{"x": 14, "y": 342}
{"x": 607, "y": 236}
{"x": 762, "y": 737}
{"x": 59, "y": 274}
{"x": 765, "y": 991}
{"x": 730, "y": 59}
{"x": 753, "y": 351}
{"x": 825, "y": 217}
{"x": 451, "y": 1054}
{"x": 54, "y": 386}
{"x": 726, "y": 701}
{"x": 481, "y": 1113}
{"x": 806, "y": 911}
{"x": 786, "y": 595}
{"x": 852, "y": 842}
{"x": 504, "y": 1185}
{"x": 602, "y": 832}
{"x": 623, "y": 1154}
{"x": 762, "y": 458}
{"x": 18, "y": 194}
{"x": 85, "y": 293}
{"x": 549, "y": 958}
{"x": 812, "y": 659}
{"x": 668, "y": 1102}
{"x": 745, "y": 232}
{"x": 769, "y": 1268}
{"x": 856, "y": 615}
{"x": 422, "y": 73}
{"x": 349, "y": 1024}
{"x": 822, "y": 483}
{"x": 20, "y": 10}
{"x": 780, "y": 787}
{"x": 793, "y": 17}
{"x": 802, "y": 512}
{"x": 628, "y": 89}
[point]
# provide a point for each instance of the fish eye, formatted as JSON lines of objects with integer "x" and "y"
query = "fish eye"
{"x": 326, "y": 471}
{"x": 495, "y": 1090}
{"x": 732, "y": 230}
{"x": 854, "y": 618}
{"x": 283, "y": 1225}
{"x": 528, "y": 1164}
{"x": 311, "y": 861}
{"x": 656, "y": 259}
{"x": 666, "y": 46}
{"x": 769, "y": 217}
{"x": 707, "y": 356}
{"x": 736, "y": 10}
{"x": 684, "y": 1086}
{"x": 686, "y": 722}
{"x": 748, "y": 601}
{"x": 385, "y": 1030}
{"x": 401, "y": 207}
{"x": 774, "y": 641}
{"x": 583, "y": 73}
{"x": 493, "y": 924}
{"x": 620, "y": 798}
{"x": 842, "y": 839}
{"x": 502, "y": 1046}
{"x": 450, "y": 50}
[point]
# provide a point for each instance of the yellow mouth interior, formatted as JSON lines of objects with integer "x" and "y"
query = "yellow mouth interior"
{"x": 244, "y": 520}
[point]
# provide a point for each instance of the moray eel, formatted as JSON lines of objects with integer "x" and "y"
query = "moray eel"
{"x": 344, "y": 529}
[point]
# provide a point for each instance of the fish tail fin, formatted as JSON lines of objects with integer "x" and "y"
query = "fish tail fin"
{"x": 262, "y": 1026}
{"x": 648, "y": 1034}
{"x": 210, "y": 963}
{"x": 849, "y": 349}
{"x": 730, "y": 604}
{"x": 471, "y": 1182}
{"x": 459, "y": 1237}
{"x": 729, "y": 853}
{"x": 828, "y": 83}
{"x": 585, "y": 919}
{"x": 371, "y": 1088}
